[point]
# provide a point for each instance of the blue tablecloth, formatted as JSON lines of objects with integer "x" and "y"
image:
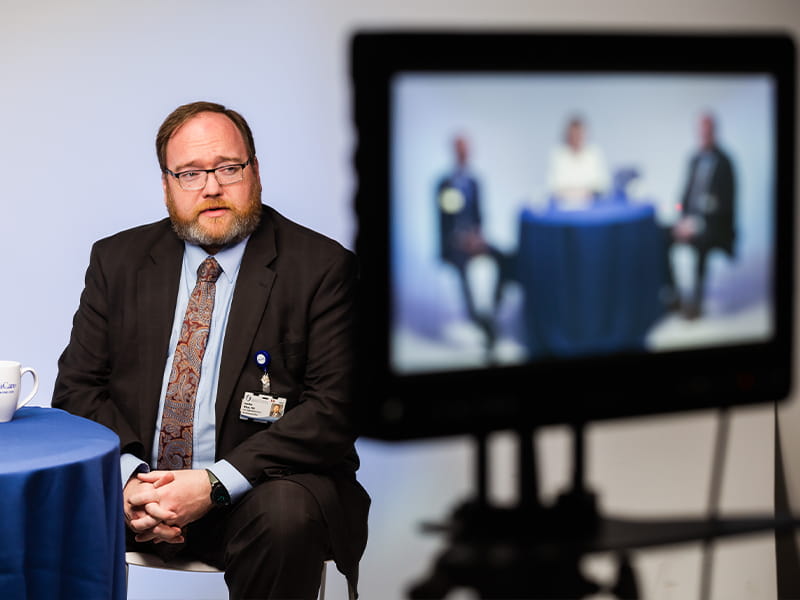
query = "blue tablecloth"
{"x": 61, "y": 522}
{"x": 591, "y": 279}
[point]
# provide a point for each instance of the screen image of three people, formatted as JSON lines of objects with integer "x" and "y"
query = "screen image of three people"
{"x": 578, "y": 179}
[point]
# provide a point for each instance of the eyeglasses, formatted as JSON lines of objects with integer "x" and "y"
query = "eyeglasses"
{"x": 195, "y": 179}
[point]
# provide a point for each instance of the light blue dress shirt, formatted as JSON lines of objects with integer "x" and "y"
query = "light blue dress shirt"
{"x": 204, "y": 411}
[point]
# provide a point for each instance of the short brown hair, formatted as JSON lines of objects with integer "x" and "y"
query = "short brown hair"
{"x": 180, "y": 115}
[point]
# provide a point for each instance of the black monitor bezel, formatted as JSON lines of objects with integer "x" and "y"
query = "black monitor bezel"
{"x": 391, "y": 406}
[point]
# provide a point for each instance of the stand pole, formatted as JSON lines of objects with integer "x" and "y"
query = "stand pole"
{"x": 481, "y": 471}
{"x": 528, "y": 477}
{"x": 578, "y": 458}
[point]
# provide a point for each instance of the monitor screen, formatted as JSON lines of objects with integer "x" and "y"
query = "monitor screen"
{"x": 566, "y": 227}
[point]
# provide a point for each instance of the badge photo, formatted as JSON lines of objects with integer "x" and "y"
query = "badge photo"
{"x": 263, "y": 408}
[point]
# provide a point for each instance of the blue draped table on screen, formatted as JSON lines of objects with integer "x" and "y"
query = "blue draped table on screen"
{"x": 591, "y": 278}
{"x": 61, "y": 521}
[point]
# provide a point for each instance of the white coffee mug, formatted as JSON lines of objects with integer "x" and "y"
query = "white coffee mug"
{"x": 10, "y": 375}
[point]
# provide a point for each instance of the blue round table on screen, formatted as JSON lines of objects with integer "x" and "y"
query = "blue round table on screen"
{"x": 592, "y": 279}
{"x": 60, "y": 508}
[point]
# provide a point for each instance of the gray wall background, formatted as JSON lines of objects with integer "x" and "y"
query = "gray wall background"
{"x": 85, "y": 85}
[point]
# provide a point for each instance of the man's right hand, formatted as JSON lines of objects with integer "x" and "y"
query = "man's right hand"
{"x": 146, "y": 518}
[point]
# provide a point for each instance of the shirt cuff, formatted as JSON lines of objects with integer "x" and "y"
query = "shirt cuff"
{"x": 236, "y": 483}
{"x": 130, "y": 465}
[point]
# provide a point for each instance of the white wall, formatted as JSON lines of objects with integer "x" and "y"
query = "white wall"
{"x": 86, "y": 83}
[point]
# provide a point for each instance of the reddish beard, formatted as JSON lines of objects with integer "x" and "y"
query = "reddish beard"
{"x": 242, "y": 224}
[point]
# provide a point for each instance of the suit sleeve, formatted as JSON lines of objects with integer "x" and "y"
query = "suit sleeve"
{"x": 84, "y": 368}
{"x": 687, "y": 186}
{"x": 318, "y": 433}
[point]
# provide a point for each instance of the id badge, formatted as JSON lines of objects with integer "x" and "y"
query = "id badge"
{"x": 263, "y": 408}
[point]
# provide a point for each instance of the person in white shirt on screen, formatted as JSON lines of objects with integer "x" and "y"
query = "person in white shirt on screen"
{"x": 577, "y": 172}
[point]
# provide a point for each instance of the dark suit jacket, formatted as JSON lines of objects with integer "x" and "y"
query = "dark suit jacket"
{"x": 454, "y": 225}
{"x": 294, "y": 298}
{"x": 718, "y": 206}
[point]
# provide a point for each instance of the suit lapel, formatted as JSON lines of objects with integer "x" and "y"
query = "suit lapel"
{"x": 253, "y": 286}
{"x": 157, "y": 290}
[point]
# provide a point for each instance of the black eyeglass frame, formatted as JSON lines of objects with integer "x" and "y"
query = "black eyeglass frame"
{"x": 214, "y": 171}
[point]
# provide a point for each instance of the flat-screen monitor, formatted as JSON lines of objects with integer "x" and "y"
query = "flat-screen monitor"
{"x": 559, "y": 227}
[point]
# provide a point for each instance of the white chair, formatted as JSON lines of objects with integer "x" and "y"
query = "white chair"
{"x": 142, "y": 559}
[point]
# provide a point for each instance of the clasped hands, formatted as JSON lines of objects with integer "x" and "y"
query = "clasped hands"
{"x": 685, "y": 229}
{"x": 159, "y": 504}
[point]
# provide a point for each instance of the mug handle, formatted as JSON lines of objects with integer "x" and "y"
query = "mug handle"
{"x": 30, "y": 396}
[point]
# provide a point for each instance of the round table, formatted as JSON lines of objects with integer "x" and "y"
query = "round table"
{"x": 60, "y": 508}
{"x": 591, "y": 279}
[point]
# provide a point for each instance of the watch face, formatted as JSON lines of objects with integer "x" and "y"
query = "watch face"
{"x": 219, "y": 495}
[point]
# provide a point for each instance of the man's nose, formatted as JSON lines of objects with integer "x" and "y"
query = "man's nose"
{"x": 212, "y": 187}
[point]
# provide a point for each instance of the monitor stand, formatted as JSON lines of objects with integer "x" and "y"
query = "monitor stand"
{"x": 534, "y": 551}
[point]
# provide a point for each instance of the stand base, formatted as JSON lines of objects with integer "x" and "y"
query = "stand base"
{"x": 536, "y": 553}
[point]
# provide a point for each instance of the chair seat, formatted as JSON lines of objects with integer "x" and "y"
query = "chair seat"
{"x": 142, "y": 559}
{"x": 153, "y": 561}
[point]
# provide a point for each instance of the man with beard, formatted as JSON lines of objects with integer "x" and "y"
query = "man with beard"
{"x": 707, "y": 220}
{"x": 162, "y": 351}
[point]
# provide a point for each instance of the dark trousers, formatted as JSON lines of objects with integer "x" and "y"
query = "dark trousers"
{"x": 697, "y": 291}
{"x": 504, "y": 267}
{"x": 271, "y": 543}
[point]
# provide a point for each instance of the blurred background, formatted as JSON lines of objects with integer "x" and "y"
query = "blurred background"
{"x": 85, "y": 85}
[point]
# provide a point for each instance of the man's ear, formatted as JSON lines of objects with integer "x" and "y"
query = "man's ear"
{"x": 256, "y": 172}
{"x": 164, "y": 186}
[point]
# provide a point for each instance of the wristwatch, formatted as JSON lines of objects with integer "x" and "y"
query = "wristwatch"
{"x": 219, "y": 495}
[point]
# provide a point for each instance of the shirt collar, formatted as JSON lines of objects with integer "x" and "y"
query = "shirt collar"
{"x": 228, "y": 258}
